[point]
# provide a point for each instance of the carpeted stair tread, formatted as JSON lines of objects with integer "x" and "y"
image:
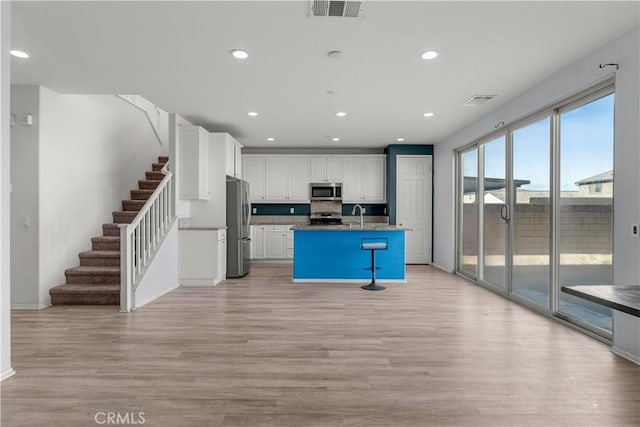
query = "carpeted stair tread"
{"x": 100, "y": 258}
{"x": 133, "y": 205}
{"x": 163, "y": 159}
{"x": 105, "y": 243}
{"x": 110, "y": 229}
{"x": 83, "y": 288}
{"x": 85, "y": 294}
{"x": 157, "y": 167}
{"x": 154, "y": 175}
{"x": 141, "y": 194}
{"x": 123, "y": 217}
{"x": 148, "y": 184}
{"x": 106, "y": 239}
{"x": 100, "y": 254}
{"x": 94, "y": 271}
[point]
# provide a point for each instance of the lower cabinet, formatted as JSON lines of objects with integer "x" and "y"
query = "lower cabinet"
{"x": 202, "y": 257}
{"x": 271, "y": 242}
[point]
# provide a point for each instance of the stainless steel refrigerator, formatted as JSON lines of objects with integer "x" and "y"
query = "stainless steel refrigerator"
{"x": 238, "y": 236}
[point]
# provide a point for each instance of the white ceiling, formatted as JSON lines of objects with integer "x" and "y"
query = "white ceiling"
{"x": 176, "y": 55}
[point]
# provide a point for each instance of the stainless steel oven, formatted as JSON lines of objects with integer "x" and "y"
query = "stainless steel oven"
{"x": 325, "y": 191}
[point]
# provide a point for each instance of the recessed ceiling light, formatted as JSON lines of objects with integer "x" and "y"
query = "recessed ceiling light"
{"x": 239, "y": 53}
{"x": 428, "y": 114}
{"x": 19, "y": 54}
{"x": 334, "y": 54}
{"x": 341, "y": 114}
{"x": 335, "y": 139}
{"x": 400, "y": 139}
{"x": 430, "y": 54}
{"x": 252, "y": 113}
{"x": 330, "y": 92}
{"x": 270, "y": 139}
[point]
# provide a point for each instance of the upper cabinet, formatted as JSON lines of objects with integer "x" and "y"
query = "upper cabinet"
{"x": 326, "y": 168}
{"x": 254, "y": 168}
{"x": 285, "y": 178}
{"x": 364, "y": 179}
{"x": 232, "y": 153}
{"x": 193, "y": 154}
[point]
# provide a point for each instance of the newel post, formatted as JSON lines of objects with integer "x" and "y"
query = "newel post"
{"x": 127, "y": 303}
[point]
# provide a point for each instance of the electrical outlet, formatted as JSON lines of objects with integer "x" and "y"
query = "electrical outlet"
{"x": 254, "y": 210}
{"x": 292, "y": 210}
{"x": 635, "y": 230}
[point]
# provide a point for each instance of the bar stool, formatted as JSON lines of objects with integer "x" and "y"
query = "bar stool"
{"x": 373, "y": 245}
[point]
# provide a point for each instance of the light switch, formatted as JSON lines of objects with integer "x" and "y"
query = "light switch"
{"x": 27, "y": 222}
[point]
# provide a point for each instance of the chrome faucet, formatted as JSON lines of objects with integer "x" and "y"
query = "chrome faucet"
{"x": 353, "y": 212}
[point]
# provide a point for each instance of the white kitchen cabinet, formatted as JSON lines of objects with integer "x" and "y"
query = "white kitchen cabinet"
{"x": 257, "y": 241}
{"x": 193, "y": 154}
{"x": 202, "y": 256}
{"x": 364, "y": 179}
{"x": 271, "y": 242}
{"x": 232, "y": 153}
{"x": 326, "y": 168}
{"x": 233, "y": 163}
{"x": 221, "y": 271}
{"x": 275, "y": 242}
{"x": 254, "y": 172}
{"x": 287, "y": 178}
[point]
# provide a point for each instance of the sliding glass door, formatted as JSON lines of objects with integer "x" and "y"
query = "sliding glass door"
{"x": 468, "y": 215}
{"x": 535, "y": 207}
{"x": 494, "y": 211}
{"x": 586, "y": 205}
{"x": 531, "y": 237}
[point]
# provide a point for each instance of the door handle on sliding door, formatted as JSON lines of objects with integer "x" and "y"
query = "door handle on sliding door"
{"x": 505, "y": 212}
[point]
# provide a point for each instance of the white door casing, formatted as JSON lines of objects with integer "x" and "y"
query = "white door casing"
{"x": 413, "y": 205}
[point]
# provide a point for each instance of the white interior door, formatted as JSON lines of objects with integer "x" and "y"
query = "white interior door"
{"x": 413, "y": 205}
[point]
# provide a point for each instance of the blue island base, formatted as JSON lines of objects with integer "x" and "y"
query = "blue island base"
{"x": 335, "y": 256}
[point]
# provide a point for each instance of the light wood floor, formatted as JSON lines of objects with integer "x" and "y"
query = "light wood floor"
{"x": 262, "y": 351}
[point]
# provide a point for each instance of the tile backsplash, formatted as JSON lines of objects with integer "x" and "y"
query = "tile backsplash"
{"x": 371, "y": 209}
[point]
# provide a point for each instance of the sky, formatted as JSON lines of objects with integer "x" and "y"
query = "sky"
{"x": 586, "y": 148}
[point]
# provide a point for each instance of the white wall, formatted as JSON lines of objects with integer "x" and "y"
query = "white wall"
{"x": 24, "y": 197}
{"x": 162, "y": 275}
{"x": 92, "y": 150}
{"x": 5, "y": 285}
{"x": 573, "y": 79}
{"x": 213, "y": 212}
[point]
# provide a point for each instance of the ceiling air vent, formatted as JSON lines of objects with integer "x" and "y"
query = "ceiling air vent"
{"x": 340, "y": 9}
{"x": 477, "y": 100}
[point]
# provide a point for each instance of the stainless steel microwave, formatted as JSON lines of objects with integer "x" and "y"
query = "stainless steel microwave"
{"x": 325, "y": 191}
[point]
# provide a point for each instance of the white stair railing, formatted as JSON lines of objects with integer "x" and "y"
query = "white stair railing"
{"x": 140, "y": 240}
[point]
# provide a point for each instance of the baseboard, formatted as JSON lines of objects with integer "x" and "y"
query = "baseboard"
{"x": 207, "y": 283}
{"x": 9, "y": 372}
{"x": 148, "y": 300}
{"x": 439, "y": 267}
{"x": 29, "y": 306}
{"x": 349, "y": 281}
{"x": 627, "y": 355}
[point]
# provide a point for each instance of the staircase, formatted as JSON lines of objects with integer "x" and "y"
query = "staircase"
{"x": 97, "y": 280}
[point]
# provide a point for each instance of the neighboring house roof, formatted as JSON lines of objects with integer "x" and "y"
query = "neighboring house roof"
{"x": 602, "y": 177}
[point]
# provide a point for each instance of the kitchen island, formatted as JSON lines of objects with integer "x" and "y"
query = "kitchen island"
{"x": 332, "y": 253}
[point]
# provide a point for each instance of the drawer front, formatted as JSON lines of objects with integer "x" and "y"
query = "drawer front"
{"x": 280, "y": 228}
